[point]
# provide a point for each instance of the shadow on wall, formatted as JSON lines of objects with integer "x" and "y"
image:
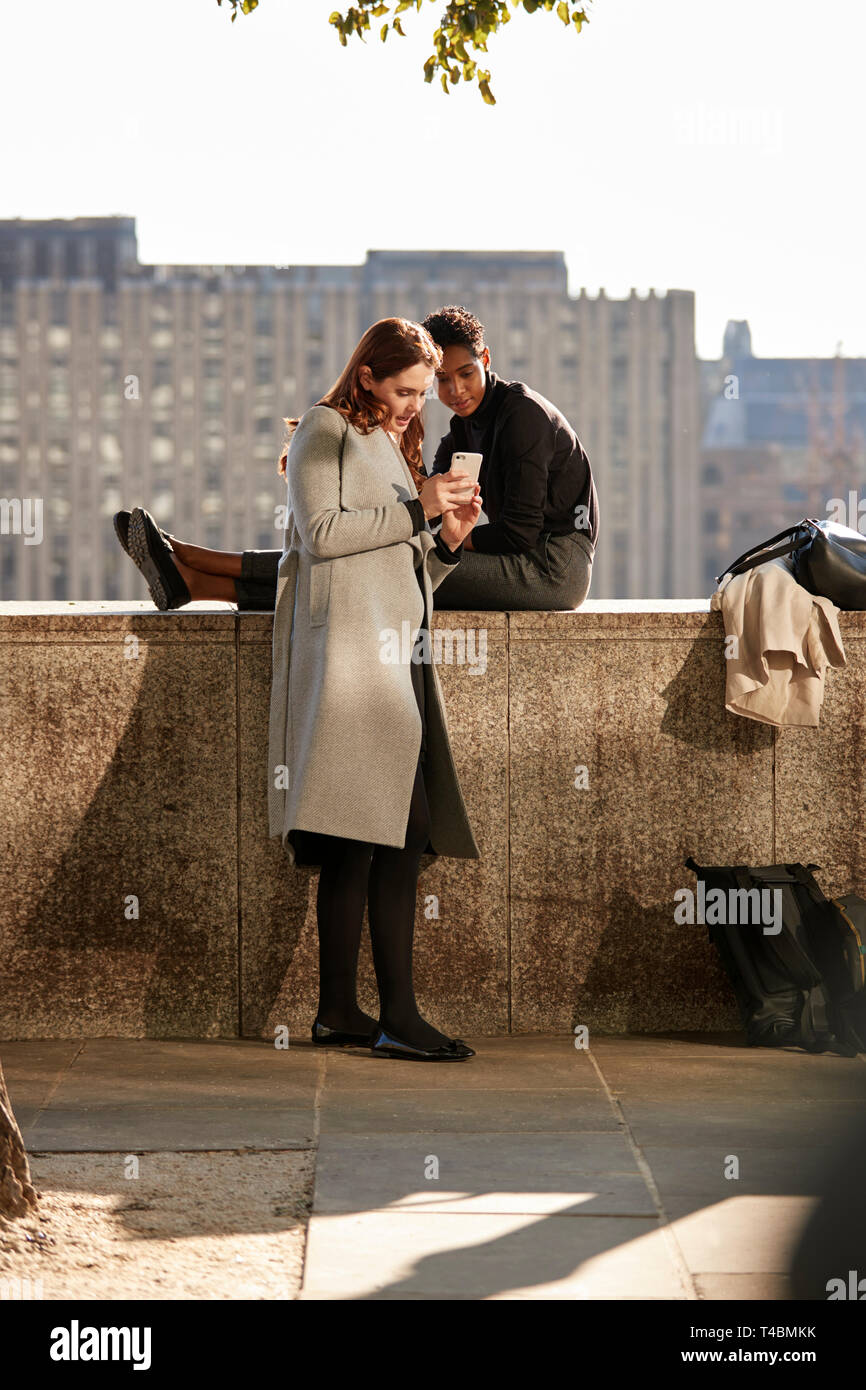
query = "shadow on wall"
{"x": 123, "y": 898}
{"x": 699, "y": 685}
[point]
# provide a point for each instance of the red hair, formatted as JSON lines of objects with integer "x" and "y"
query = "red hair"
{"x": 387, "y": 348}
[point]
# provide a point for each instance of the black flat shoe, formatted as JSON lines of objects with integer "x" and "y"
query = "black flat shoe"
{"x": 386, "y": 1045}
{"x": 121, "y": 530}
{"x": 153, "y": 556}
{"x": 323, "y": 1036}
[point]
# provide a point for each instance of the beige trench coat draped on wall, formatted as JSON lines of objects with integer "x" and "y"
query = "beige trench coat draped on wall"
{"x": 343, "y": 723}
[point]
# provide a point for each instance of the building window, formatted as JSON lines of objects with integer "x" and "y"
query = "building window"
{"x": 264, "y": 309}
{"x": 315, "y": 315}
{"x": 59, "y": 306}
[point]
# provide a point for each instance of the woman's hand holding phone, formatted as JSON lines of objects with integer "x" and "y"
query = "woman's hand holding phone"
{"x": 457, "y": 523}
{"x": 442, "y": 492}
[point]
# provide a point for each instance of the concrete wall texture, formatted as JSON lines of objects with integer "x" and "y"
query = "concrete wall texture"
{"x": 140, "y": 895}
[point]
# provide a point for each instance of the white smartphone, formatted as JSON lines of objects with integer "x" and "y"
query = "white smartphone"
{"x": 467, "y": 463}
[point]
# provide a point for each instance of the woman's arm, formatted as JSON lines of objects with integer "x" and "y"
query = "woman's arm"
{"x": 313, "y": 474}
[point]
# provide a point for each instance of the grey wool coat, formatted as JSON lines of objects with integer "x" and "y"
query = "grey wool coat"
{"x": 344, "y": 730}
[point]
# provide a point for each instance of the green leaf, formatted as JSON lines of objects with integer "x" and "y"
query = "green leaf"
{"x": 562, "y": 11}
{"x": 445, "y": 82}
{"x": 383, "y": 32}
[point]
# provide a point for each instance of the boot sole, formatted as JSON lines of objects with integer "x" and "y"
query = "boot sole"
{"x": 141, "y": 556}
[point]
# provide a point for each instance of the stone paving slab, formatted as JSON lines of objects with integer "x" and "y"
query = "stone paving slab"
{"x": 32, "y": 1067}
{"x": 530, "y": 1063}
{"x": 668, "y": 1044}
{"x": 713, "y": 1078}
{"x": 512, "y": 1255}
{"x": 743, "y": 1235}
{"x": 732, "y": 1124}
{"x": 106, "y": 1069}
{"x": 574, "y": 1174}
{"x": 688, "y": 1170}
{"x": 744, "y": 1287}
{"x": 133, "y": 1128}
{"x": 463, "y": 1111}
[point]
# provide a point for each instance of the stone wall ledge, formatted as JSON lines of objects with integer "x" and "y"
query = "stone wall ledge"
{"x": 141, "y": 896}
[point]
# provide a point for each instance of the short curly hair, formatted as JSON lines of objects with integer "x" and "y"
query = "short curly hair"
{"x": 454, "y": 326}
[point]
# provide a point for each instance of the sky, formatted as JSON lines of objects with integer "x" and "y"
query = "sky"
{"x": 688, "y": 144}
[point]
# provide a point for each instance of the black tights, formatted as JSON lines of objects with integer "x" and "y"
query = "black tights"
{"x": 353, "y": 873}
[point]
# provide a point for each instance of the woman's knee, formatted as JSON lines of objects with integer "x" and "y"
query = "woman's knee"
{"x": 576, "y": 587}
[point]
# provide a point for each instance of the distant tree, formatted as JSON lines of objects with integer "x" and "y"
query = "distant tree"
{"x": 465, "y": 24}
{"x": 17, "y": 1194}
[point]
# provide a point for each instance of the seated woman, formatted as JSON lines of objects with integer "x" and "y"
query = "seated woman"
{"x": 537, "y": 548}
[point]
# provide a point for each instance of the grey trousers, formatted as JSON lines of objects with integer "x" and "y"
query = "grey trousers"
{"x": 556, "y": 575}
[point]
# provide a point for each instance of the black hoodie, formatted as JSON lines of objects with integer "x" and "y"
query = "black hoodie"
{"x": 535, "y": 472}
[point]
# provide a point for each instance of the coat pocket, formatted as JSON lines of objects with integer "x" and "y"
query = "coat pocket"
{"x": 320, "y": 591}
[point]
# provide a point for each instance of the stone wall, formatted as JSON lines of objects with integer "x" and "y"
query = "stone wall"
{"x": 134, "y": 782}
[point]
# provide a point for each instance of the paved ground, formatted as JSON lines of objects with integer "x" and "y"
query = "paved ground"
{"x": 533, "y": 1171}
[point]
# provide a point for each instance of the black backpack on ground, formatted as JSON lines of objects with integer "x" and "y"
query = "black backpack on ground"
{"x": 804, "y": 986}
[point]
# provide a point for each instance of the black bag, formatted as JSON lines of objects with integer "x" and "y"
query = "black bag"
{"x": 826, "y": 558}
{"x": 806, "y": 985}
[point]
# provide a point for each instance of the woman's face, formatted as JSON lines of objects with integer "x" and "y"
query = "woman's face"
{"x": 403, "y": 394}
{"x": 462, "y": 379}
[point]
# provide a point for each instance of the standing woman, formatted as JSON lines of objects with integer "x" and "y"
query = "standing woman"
{"x": 361, "y": 777}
